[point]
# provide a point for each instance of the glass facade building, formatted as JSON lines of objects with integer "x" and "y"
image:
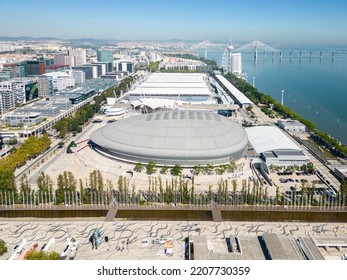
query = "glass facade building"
{"x": 104, "y": 56}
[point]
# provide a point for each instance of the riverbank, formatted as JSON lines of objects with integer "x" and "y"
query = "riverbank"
{"x": 321, "y": 138}
{"x": 314, "y": 87}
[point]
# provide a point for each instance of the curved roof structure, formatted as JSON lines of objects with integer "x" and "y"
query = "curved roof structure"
{"x": 156, "y": 103}
{"x": 173, "y": 137}
{"x": 269, "y": 138}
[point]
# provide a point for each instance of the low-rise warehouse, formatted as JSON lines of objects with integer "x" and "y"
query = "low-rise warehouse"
{"x": 274, "y": 147}
{"x": 185, "y": 87}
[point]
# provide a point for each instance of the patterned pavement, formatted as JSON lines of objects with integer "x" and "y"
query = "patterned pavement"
{"x": 134, "y": 239}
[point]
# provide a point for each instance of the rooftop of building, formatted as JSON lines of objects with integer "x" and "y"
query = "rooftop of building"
{"x": 290, "y": 123}
{"x": 265, "y": 246}
{"x": 342, "y": 169}
{"x": 59, "y": 74}
{"x": 241, "y": 98}
{"x": 20, "y": 80}
{"x": 170, "y": 137}
{"x": 174, "y": 84}
{"x": 283, "y": 153}
{"x": 19, "y": 113}
{"x": 269, "y": 138}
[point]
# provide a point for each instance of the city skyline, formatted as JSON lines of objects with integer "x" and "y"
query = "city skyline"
{"x": 291, "y": 22}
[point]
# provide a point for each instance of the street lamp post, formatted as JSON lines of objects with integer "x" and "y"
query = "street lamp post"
{"x": 282, "y": 92}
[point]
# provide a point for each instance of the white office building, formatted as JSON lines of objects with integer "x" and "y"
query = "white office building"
{"x": 22, "y": 119}
{"x": 236, "y": 63}
{"x": 22, "y": 88}
{"x": 122, "y": 65}
{"x": 80, "y": 56}
{"x": 45, "y": 85}
{"x": 61, "y": 80}
{"x": 292, "y": 126}
{"x": 7, "y": 101}
{"x": 78, "y": 76}
{"x": 64, "y": 60}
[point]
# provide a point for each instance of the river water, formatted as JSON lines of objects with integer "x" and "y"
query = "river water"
{"x": 314, "y": 86}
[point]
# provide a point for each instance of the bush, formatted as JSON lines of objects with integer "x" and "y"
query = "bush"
{"x": 41, "y": 255}
{"x": 3, "y": 248}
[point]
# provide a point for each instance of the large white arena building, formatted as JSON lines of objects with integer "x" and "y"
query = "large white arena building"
{"x": 172, "y": 137}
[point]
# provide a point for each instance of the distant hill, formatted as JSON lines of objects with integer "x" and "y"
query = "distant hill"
{"x": 27, "y": 38}
{"x": 89, "y": 42}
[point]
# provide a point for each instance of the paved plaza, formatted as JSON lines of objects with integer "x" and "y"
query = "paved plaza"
{"x": 138, "y": 240}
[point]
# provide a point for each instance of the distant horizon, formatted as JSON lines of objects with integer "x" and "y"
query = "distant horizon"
{"x": 273, "y": 44}
{"x": 286, "y": 22}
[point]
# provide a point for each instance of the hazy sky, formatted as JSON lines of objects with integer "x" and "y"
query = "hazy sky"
{"x": 270, "y": 21}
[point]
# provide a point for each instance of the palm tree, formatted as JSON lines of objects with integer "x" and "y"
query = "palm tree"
{"x": 176, "y": 170}
{"x": 138, "y": 167}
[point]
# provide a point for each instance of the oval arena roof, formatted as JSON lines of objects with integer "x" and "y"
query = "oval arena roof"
{"x": 173, "y": 137}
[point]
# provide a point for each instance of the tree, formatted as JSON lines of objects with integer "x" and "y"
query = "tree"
{"x": 151, "y": 168}
{"x": 265, "y": 196}
{"x": 153, "y": 66}
{"x": 120, "y": 188}
{"x": 232, "y": 166}
{"x": 311, "y": 168}
{"x": 3, "y": 248}
{"x": 210, "y": 168}
{"x": 168, "y": 192}
{"x": 220, "y": 192}
{"x": 176, "y": 170}
{"x": 277, "y": 195}
{"x": 96, "y": 181}
{"x": 210, "y": 194}
{"x": 24, "y": 188}
{"x": 82, "y": 192}
{"x": 138, "y": 167}
{"x": 7, "y": 181}
{"x": 23, "y": 183}
{"x": 66, "y": 186}
{"x": 164, "y": 169}
{"x": 221, "y": 169}
{"x": 234, "y": 182}
{"x": 30, "y": 149}
{"x": 197, "y": 169}
{"x": 44, "y": 183}
{"x": 343, "y": 188}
